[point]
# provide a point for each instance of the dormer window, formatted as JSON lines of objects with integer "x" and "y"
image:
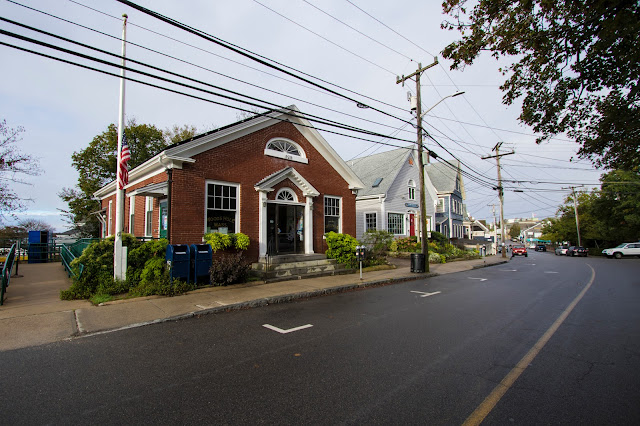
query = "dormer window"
{"x": 285, "y": 149}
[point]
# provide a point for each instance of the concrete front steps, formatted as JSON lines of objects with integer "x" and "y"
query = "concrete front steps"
{"x": 296, "y": 267}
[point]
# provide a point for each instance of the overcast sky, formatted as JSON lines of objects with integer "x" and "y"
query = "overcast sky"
{"x": 62, "y": 107}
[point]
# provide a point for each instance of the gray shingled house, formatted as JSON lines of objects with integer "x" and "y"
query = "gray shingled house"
{"x": 450, "y": 209}
{"x": 390, "y": 198}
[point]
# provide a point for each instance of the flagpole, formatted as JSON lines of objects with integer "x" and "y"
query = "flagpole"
{"x": 119, "y": 264}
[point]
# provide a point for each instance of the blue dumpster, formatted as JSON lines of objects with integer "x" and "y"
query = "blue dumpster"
{"x": 201, "y": 258}
{"x": 179, "y": 261}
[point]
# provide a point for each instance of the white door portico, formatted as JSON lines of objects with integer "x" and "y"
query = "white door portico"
{"x": 265, "y": 186}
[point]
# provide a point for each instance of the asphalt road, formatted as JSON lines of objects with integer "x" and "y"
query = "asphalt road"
{"x": 422, "y": 352}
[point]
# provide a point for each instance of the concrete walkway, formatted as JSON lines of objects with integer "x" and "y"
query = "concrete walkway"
{"x": 33, "y": 313}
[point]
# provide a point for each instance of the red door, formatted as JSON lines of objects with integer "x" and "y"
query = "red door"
{"x": 412, "y": 225}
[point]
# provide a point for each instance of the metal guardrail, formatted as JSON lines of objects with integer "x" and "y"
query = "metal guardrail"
{"x": 6, "y": 272}
{"x": 78, "y": 247}
{"x": 66, "y": 256}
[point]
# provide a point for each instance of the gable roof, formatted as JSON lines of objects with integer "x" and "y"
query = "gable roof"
{"x": 184, "y": 152}
{"x": 385, "y": 166}
{"x": 290, "y": 173}
{"x": 444, "y": 175}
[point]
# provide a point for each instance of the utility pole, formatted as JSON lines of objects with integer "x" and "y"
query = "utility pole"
{"x": 575, "y": 208}
{"x": 423, "y": 203}
{"x": 500, "y": 191}
{"x": 495, "y": 226}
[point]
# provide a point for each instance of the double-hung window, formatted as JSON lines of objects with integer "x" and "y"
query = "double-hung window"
{"x": 370, "y": 222}
{"x": 132, "y": 208}
{"x": 412, "y": 190}
{"x": 395, "y": 223}
{"x": 148, "y": 216}
{"x": 222, "y": 207}
{"x": 332, "y": 222}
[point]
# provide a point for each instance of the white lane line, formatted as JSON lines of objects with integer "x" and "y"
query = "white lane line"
{"x": 291, "y": 330}
{"x": 481, "y": 279}
{"x": 509, "y": 270}
{"x": 423, "y": 294}
{"x": 551, "y": 272}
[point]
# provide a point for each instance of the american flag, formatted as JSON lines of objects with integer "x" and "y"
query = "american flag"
{"x": 125, "y": 155}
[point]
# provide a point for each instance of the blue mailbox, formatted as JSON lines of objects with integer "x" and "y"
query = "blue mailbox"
{"x": 179, "y": 261}
{"x": 201, "y": 258}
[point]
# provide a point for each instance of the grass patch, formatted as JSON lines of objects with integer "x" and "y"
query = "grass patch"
{"x": 97, "y": 299}
{"x": 378, "y": 268}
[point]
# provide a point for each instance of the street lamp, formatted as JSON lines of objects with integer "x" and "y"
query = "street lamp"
{"x": 453, "y": 95}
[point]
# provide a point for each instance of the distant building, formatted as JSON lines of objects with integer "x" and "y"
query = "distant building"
{"x": 390, "y": 197}
{"x": 447, "y": 179}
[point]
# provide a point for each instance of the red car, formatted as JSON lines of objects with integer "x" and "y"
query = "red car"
{"x": 519, "y": 251}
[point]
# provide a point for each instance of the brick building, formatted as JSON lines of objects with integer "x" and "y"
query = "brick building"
{"x": 272, "y": 177}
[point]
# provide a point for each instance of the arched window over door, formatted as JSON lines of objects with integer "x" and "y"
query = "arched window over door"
{"x": 286, "y": 194}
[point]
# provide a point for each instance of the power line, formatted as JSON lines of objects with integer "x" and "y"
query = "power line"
{"x": 356, "y": 30}
{"x": 325, "y": 39}
{"x": 201, "y": 67}
{"x": 248, "y": 54}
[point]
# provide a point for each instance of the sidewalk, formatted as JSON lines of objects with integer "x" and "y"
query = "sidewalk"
{"x": 33, "y": 313}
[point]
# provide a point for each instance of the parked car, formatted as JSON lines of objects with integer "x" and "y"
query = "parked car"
{"x": 541, "y": 247}
{"x": 624, "y": 249}
{"x": 577, "y": 251}
{"x": 519, "y": 251}
{"x": 561, "y": 250}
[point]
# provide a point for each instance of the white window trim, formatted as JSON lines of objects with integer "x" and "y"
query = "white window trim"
{"x": 404, "y": 219}
{"x": 132, "y": 211}
{"x": 339, "y": 215}
{"x": 364, "y": 215}
{"x": 278, "y": 154}
{"x": 148, "y": 207}
{"x": 206, "y": 195}
{"x": 109, "y": 219}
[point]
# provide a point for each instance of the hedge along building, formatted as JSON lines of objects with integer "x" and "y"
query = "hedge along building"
{"x": 272, "y": 177}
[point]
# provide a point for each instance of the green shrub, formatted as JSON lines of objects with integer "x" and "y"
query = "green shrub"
{"x": 139, "y": 256}
{"x": 438, "y": 237}
{"x": 378, "y": 244}
{"x": 229, "y": 269}
{"x": 342, "y": 248}
{"x": 408, "y": 244}
{"x": 241, "y": 241}
{"x": 156, "y": 279}
{"x": 217, "y": 241}
{"x": 436, "y": 257}
{"x": 97, "y": 275}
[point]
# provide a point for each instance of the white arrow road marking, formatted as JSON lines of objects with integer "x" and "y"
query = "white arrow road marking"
{"x": 426, "y": 294}
{"x": 291, "y": 330}
{"x": 481, "y": 279}
{"x": 550, "y": 272}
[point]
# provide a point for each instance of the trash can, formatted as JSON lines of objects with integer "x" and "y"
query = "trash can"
{"x": 201, "y": 257}
{"x": 417, "y": 262}
{"x": 179, "y": 261}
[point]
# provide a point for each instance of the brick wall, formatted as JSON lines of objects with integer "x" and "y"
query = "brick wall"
{"x": 243, "y": 162}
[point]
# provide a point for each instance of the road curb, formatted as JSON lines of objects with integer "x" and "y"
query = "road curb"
{"x": 256, "y": 303}
{"x": 272, "y": 300}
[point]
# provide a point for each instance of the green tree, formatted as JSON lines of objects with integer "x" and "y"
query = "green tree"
{"x": 618, "y": 206}
{"x": 177, "y": 133}
{"x": 576, "y": 63}
{"x": 514, "y": 232}
{"x": 96, "y": 166}
{"x": 13, "y": 166}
